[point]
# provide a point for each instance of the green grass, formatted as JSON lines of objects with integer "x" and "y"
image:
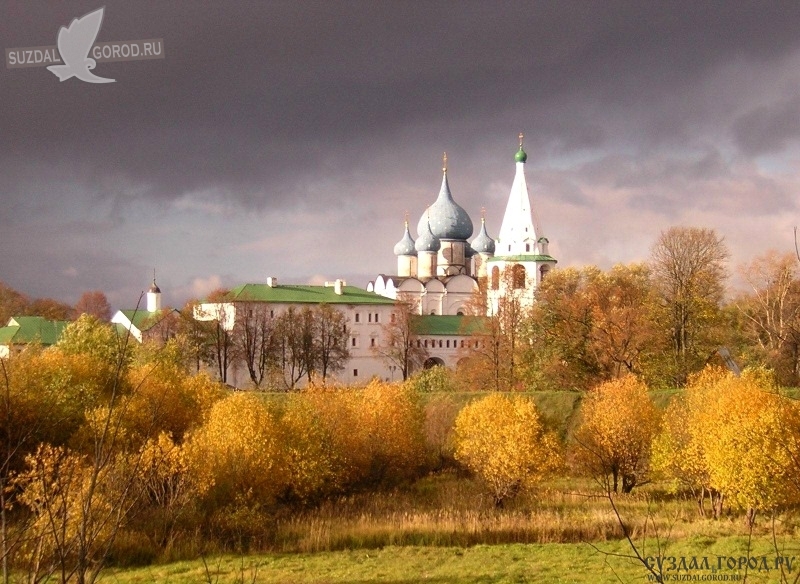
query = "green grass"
{"x": 482, "y": 564}
{"x": 442, "y": 530}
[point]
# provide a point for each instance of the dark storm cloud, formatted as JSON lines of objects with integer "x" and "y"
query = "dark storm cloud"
{"x": 336, "y": 113}
{"x": 768, "y": 129}
{"x": 251, "y": 94}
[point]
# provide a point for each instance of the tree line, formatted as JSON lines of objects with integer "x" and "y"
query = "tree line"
{"x": 662, "y": 320}
{"x": 15, "y": 303}
{"x": 277, "y": 347}
{"x": 105, "y": 442}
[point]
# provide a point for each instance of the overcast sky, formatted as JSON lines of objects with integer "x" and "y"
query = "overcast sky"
{"x": 288, "y": 138}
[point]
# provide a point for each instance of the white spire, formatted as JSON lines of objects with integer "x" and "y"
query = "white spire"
{"x": 518, "y": 235}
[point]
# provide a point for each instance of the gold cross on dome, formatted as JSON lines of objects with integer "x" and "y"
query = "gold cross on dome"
{"x": 521, "y": 136}
{"x": 444, "y": 162}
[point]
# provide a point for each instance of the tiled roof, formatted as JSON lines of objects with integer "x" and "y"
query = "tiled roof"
{"x": 447, "y": 325}
{"x": 22, "y": 330}
{"x": 291, "y": 294}
{"x": 522, "y": 258}
{"x": 144, "y": 320}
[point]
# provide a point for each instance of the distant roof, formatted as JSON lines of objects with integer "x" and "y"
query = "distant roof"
{"x": 22, "y": 330}
{"x": 299, "y": 294}
{"x": 447, "y": 325}
{"x": 144, "y": 320}
{"x": 522, "y": 258}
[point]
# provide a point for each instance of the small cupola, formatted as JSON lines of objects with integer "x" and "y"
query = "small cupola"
{"x": 154, "y": 296}
{"x": 405, "y": 247}
{"x": 483, "y": 243}
{"x": 427, "y": 241}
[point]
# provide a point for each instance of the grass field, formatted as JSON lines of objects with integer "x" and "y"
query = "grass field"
{"x": 443, "y": 530}
{"x": 484, "y": 564}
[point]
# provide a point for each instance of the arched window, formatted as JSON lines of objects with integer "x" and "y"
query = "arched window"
{"x": 518, "y": 276}
{"x": 495, "y": 278}
{"x": 543, "y": 272}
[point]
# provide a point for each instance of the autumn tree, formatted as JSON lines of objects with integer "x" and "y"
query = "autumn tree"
{"x": 166, "y": 400}
{"x": 81, "y": 494}
{"x": 494, "y": 355}
{"x": 617, "y": 425}
{"x": 90, "y": 336}
{"x": 219, "y": 335}
{"x": 741, "y": 438}
{"x": 256, "y": 339}
{"x": 689, "y": 272}
{"x": 400, "y": 346}
{"x": 41, "y": 397}
{"x": 751, "y": 446}
{"x": 50, "y": 309}
{"x": 196, "y": 337}
{"x": 296, "y": 333}
{"x": 237, "y": 455}
{"x": 679, "y": 448}
{"x": 588, "y": 326}
{"x": 770, "y": 313}
{"x": 12, "y": 303}
{"x": 375, "y": 434}
{"x": 332, "y": 336}
{"x": 560, "y": 328}
{"x": 502, "y": 440}
{"x": 95, "y": 304}
{"x": 625, "y": 336}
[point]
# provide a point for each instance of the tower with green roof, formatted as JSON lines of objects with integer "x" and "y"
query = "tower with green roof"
{"x": 521, "y": 258}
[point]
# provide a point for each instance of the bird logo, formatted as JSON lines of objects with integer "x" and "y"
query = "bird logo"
{"x": 74, "y": 44}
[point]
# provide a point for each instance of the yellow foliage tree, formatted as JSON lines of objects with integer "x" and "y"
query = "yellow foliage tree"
{"x": 236, "y": 457}
{"x": 501, "y": 439}
{"x": 77, "y": 508}
{"x": 167, "y": 488}
{"x": 746, "y": 454}
{"x": 618, "y": 423}
{"x": 165, "y": 398}
{"x": 376, "y": 433}
{"x": 679, "y": 449}
{"x": 314, "y": 461}
{"x": 736, "y": 438}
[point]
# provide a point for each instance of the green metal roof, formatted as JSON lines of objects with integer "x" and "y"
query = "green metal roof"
{"x": 7, "y": 334}
{"x": 291, "y": 294}
{"x": 144, "y": 320}
{"x": 523, "y": 258}
{"x": 436, "y": 325}
{"x": 22, "y": 330}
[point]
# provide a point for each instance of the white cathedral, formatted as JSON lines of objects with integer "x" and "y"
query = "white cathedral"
{"x": 441, "y": 270}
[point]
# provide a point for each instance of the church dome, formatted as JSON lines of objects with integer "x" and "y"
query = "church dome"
{"x": 520, "y": 156}
{"x": 405, "y": 247}
{"x": 483, "y": 243}
{"x": 427, "y": 241}
{"x": 446, "y": 217}
{"x": 154, "y": 289}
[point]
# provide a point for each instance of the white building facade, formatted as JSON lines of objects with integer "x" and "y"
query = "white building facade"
{"x": 365, "y": 314}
